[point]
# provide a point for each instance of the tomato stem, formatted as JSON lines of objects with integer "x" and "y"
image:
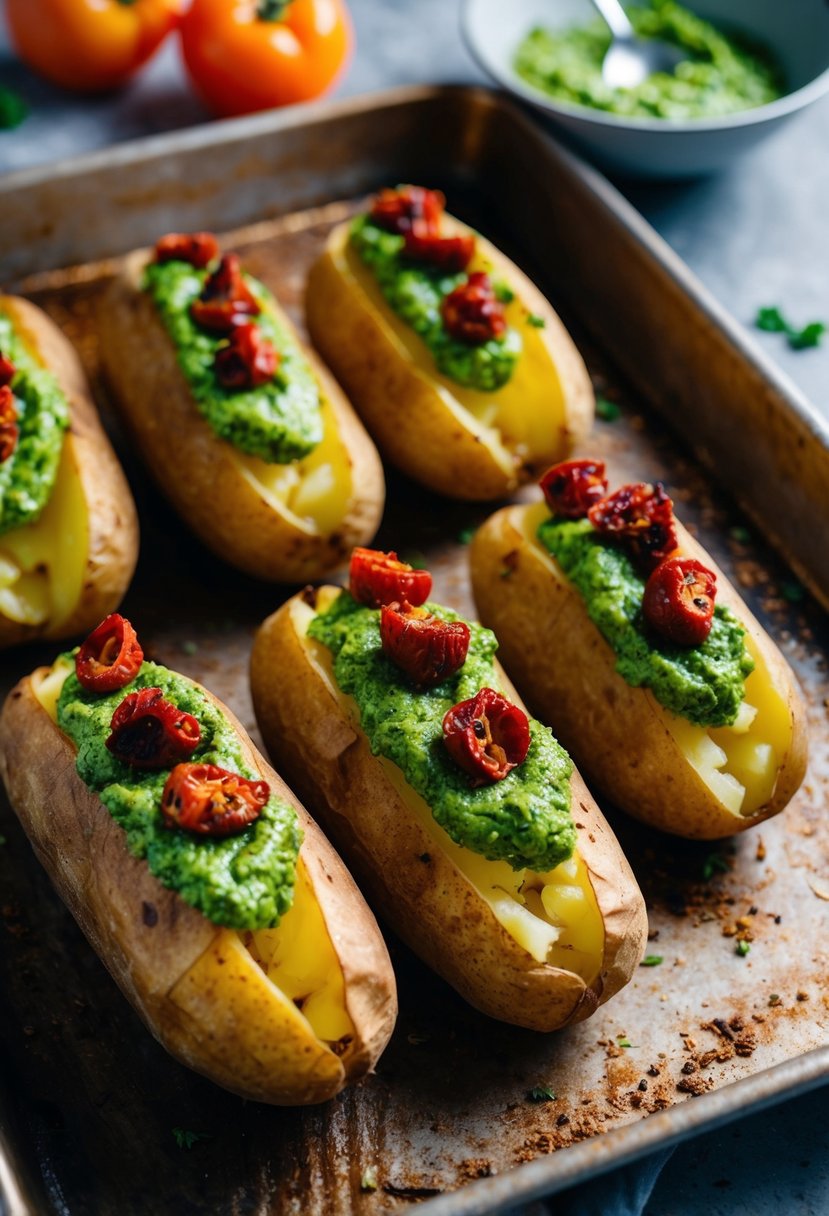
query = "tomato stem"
{"x": 271, "y": 10}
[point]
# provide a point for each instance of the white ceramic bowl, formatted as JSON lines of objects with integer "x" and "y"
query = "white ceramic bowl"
{"x": 797, "y": 31}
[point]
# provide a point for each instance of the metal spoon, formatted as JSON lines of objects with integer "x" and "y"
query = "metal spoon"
{"x": 629, "y": 59}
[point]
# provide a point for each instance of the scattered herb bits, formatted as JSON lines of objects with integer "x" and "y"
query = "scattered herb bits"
{"x": 772, "y": 321}
{"x": 541, "y": 1093}
{"x": 186, "y": 1139}
{"x": 607, "y": 410}
{"x": 651, "y": 960}
{"x": 368, "y": 1181}
{"x": 742, "y": 948}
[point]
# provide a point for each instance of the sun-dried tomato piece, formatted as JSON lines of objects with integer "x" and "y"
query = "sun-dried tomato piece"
{"x": 9, "y": 430}
{"x": 448, "y": 253}
{"x": 150, "y": 732}
{"x": 472, "y": 313}
{"x": 197, "y": 248}
{"x": 110, "y": 657}
{"x": 407, "y": 208}
{"x": 679, "y": 599}
{"x": 248, "y": 360}
{"x": 642, "y": 516}
{"x": 572, "y": 487}
{"x": 377, "y": 578}
{"x": 210, "y": 800}
{"x": 225, "y": 300}
{"x": 426, "y": 648}
{"x": 7, "y": 370}
{"x": 487, "y": 736}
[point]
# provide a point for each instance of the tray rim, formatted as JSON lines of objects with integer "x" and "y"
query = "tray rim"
{"x": 545, "y": 1175}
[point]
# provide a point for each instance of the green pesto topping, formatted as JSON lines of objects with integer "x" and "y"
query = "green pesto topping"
{"x": 416, "y": 292}
{"x": 705, "y": 684}
{"x": 244, "y": 881}
{"x": 525, "y": 819}
{"x": 27, "y": 478}
{"x": 279, "y": 421}
{"x": 721, "y": 74}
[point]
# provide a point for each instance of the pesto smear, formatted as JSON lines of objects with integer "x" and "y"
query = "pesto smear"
{"x": 244, "y": 881}
{"x": 28, "y": 476}
{"x": 721, "y": 74}
{"x": 416, "y": 292}
{"x": 525, "y": 819}
{"x": 279, "y": 421}
{"x": 704, "y": 684}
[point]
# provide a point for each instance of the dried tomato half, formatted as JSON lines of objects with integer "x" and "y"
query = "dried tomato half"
{"x": 9, "y": 430}
{"x": 225, "y": 300}
{"x": 406, "y": 208}
{"x": 110, "y": 657}
{"x": 679, "y": 599}
{"x": 573, "y": 487}
{"x": 377, "y": 578}
{"x": 149, "y": 732}
{"x": 449, "y": 253}
{"x": 426, "y": 648}
{"x": 7, "y": 370}
{"x": 642, "y": 516}
{"x": 197, "y": 248}
{"x": 210, "y": 800}
{"x": 472, "y": 313}
{"x": 248, "y": 360}
{"x": 487, "y": 736}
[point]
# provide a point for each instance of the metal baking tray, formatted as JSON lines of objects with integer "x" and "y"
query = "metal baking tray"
{"x": 89, "y": 1103}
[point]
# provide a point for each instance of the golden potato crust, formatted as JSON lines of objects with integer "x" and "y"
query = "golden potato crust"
{"x": 194, "y": 985}
{"x": 567, "y": 671}
{"x": 113, "y": 523}
{"x": 405, "y": 407}
{"x": 197, "y": 471}
{"x": 416, "y": 888}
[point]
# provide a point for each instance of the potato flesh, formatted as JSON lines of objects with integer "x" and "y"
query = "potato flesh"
{"x": 554, "y": 916}
{"x": 297, "y": 957}
{"x": 42, "y": 564}
{"x": 524, "y": 417}
{"x": 311, "y": 493}
{"x": 738, "y": 763}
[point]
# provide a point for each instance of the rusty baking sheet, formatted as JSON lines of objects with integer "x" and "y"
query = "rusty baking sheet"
{"x": 89, "y": 1103}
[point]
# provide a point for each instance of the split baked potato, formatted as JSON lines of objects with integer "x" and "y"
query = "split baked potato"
{"x": 459, "y": 440}
{"x": 285, "y": 1015}
{"x": 70, "y": 564}
{"x": 287, "y": 520}
{"x": 688, "y": 779}
{"x": 534, "y": 950}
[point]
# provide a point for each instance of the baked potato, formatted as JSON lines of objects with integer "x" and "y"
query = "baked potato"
{"x": 477, "y": 440}
{"x": 698, "y": 780}
{"x": 285, "y": 1015}
{"x": 534, "y": 949}
{"x": 286, "y": 510}
{"x": 68, "y": 527}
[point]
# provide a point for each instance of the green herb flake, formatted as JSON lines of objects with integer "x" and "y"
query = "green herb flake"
{"x": 607, "y": 410}
{"x": 465, "y": 535}
{"x": 742, "y": 948}
{"x": 368, "y": 1181}
{"x": 810, "y": 335}
{"x": 186, "y": 1139}
{"x": 503, "y": 293}
{"x": 775, "y": 999}
{"x": 652, "y": 960}
{"x": 189, "y": 648}
{"x": 771, "y": 321}
{"x": 2, "y": 841}
{"x": 535, "y": 320}
{"x": 623, "y": 1041}
{"x": 416, "y": 560}
{"x": 715, "y": 863}
{"x": 13, "y": 109}
{"x": 741, "y": 535}
{"x": 792, "y": 591}
{"x": 541, "y": 1093}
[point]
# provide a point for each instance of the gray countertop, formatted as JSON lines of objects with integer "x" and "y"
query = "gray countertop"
{"x": 756, "y": 235}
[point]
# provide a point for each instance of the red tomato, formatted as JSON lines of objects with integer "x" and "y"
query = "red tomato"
{"x": 247, "y": 55}
{"x": 89, "y": 45}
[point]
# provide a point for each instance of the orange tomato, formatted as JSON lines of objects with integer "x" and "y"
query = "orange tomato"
{"x": 89, "y": 45}
{"x": 247, "y": 55}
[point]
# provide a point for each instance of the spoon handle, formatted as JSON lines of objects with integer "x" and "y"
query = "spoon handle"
{"x": 616, "y": 18}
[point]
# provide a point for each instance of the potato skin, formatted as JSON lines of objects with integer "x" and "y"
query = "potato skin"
{"x": 194, "y": 985}
{"x": 196, "y": 470}
{"x": 566, "y": 669}
{"x": 112, "y": 519}
{"x": 413, "y": 885}
{"x": 404, "y": 407}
